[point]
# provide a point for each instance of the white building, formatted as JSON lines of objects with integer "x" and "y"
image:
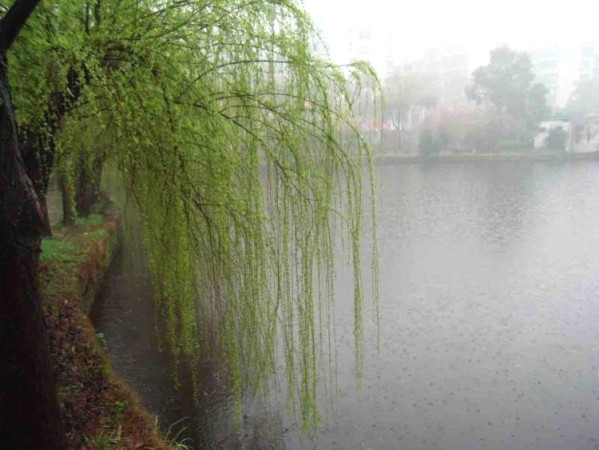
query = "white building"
{"x": 582, "y": 135}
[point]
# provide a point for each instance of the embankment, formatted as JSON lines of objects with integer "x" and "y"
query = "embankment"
{"x": 99, "y": 410}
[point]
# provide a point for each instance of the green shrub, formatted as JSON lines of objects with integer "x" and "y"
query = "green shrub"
{"x": 429, "y": 144}
{"x": 556, "y": 139}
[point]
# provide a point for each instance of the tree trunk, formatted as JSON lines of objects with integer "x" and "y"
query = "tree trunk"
{"x": 38, "y": 154}
{"x": 87, "y": 185}
{"x": 29, "y": 412}
{"x": 68, "y": 209}
{"x": 39, "y": 147}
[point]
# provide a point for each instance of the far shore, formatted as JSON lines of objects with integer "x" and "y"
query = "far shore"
{"x": 476, "y": 157}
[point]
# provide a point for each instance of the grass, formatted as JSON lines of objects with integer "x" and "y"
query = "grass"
{"x": 98, "y": 410}
{"x": 103, "y": 441}
{"x": 91, "y": 220}
{"x": 173, "y": 435}
{"x": 101, "y": 338}
{"x": 65, "y": 245}
{"x": 58, "y": 250}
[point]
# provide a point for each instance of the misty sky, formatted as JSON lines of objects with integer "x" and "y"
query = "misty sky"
{"x": 420, "y": 24}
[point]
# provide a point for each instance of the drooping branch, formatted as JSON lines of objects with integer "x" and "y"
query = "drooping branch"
{"x": 236, "y": 143}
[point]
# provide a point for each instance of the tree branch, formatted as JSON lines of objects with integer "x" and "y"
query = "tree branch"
{"x": 13, "y": 21}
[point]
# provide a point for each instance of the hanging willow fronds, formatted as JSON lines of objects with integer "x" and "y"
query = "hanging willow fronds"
{"x": 242, "y": 152}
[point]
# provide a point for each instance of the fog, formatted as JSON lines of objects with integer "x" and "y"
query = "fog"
{"x": 413, "y": 27}
{"x": 486, "y": 170}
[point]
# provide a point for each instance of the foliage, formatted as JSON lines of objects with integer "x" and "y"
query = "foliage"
{"x": 537, "y": 104}
{"x": 429, "y": 144}
{"x": 506, "y": 83}
{"x": 462, "y": 127}
{"x": 404, "y": 92}
{"x": 103, "y": 441}
{"x": 237, "y": 145}
{"x": 556, "y": 139}
{"x": 173, "y": 435}
{"x": 585, "y": 99}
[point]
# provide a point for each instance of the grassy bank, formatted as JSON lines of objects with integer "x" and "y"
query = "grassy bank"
{"x": 99, "y": 411}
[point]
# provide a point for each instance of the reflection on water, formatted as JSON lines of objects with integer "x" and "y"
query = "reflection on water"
{"x": 489, "y": 279}
{"x": 123, "y": 312}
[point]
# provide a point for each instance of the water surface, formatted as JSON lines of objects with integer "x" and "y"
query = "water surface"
{"x": 489, "y": 277}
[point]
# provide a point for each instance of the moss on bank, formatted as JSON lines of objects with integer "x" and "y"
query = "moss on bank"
{"x": 99, "y": 411}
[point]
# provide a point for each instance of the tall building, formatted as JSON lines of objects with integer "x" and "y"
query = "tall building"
{"x": 351, "y": 39}
{"x": 372, "y": 44}
{"x": 449, "y": 67}
{"x": 561, "y": 67}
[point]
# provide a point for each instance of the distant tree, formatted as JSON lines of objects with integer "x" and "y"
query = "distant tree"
{"x": 477, "y": 136}
{"x": 537, "y": 104}
{"x": 404, "y": 92}
{"x": 444, "y": 136}
{"x": 585, "y": 99}
{"x": 556, "y": 139}
{"x": 429, "y": 144}
{"x": 464, "y": 127}
{"x": 506, "y": 84}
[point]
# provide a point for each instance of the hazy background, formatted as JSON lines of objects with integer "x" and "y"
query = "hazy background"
{"x": 403, "y": 30}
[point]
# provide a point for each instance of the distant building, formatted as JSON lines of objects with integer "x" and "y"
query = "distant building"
{"x": 586, "y": 135}
{"x": 582, "y": 135}
{"x": 449, "y": 66}
{"x": 320, "y": 42}
{"x": 561, "y": 67}
{"x": 350, "y": 40}
{"x": 371, "y": 44}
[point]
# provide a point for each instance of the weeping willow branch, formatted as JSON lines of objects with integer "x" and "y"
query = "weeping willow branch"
{"x": 238, "y": 145}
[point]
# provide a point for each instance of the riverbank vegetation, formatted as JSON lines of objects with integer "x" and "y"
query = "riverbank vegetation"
{"x": 97, "y": 409}
{"x": 504, "y": 108}
{"x": 237, "y": 145}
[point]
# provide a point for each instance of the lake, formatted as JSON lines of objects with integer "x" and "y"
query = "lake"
{"x": 489, "y": 333}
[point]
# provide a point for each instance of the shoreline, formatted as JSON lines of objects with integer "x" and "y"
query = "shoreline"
{"x": 411, "y": 158}
{"x": 98, "y": 408}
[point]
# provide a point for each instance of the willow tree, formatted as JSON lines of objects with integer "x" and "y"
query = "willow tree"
{"x": 29, "y": 416}
{"x": 241, "y": 151}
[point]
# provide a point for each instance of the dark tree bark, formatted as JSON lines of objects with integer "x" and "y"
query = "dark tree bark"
{"x": 29, "y": 412}
{"x": 39, "y": 147}
{"x": 38, "y": 156}
{"x": 87, "y": 185}
{"x": 13, "y": 21}
{"x": 68, "y": 208}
